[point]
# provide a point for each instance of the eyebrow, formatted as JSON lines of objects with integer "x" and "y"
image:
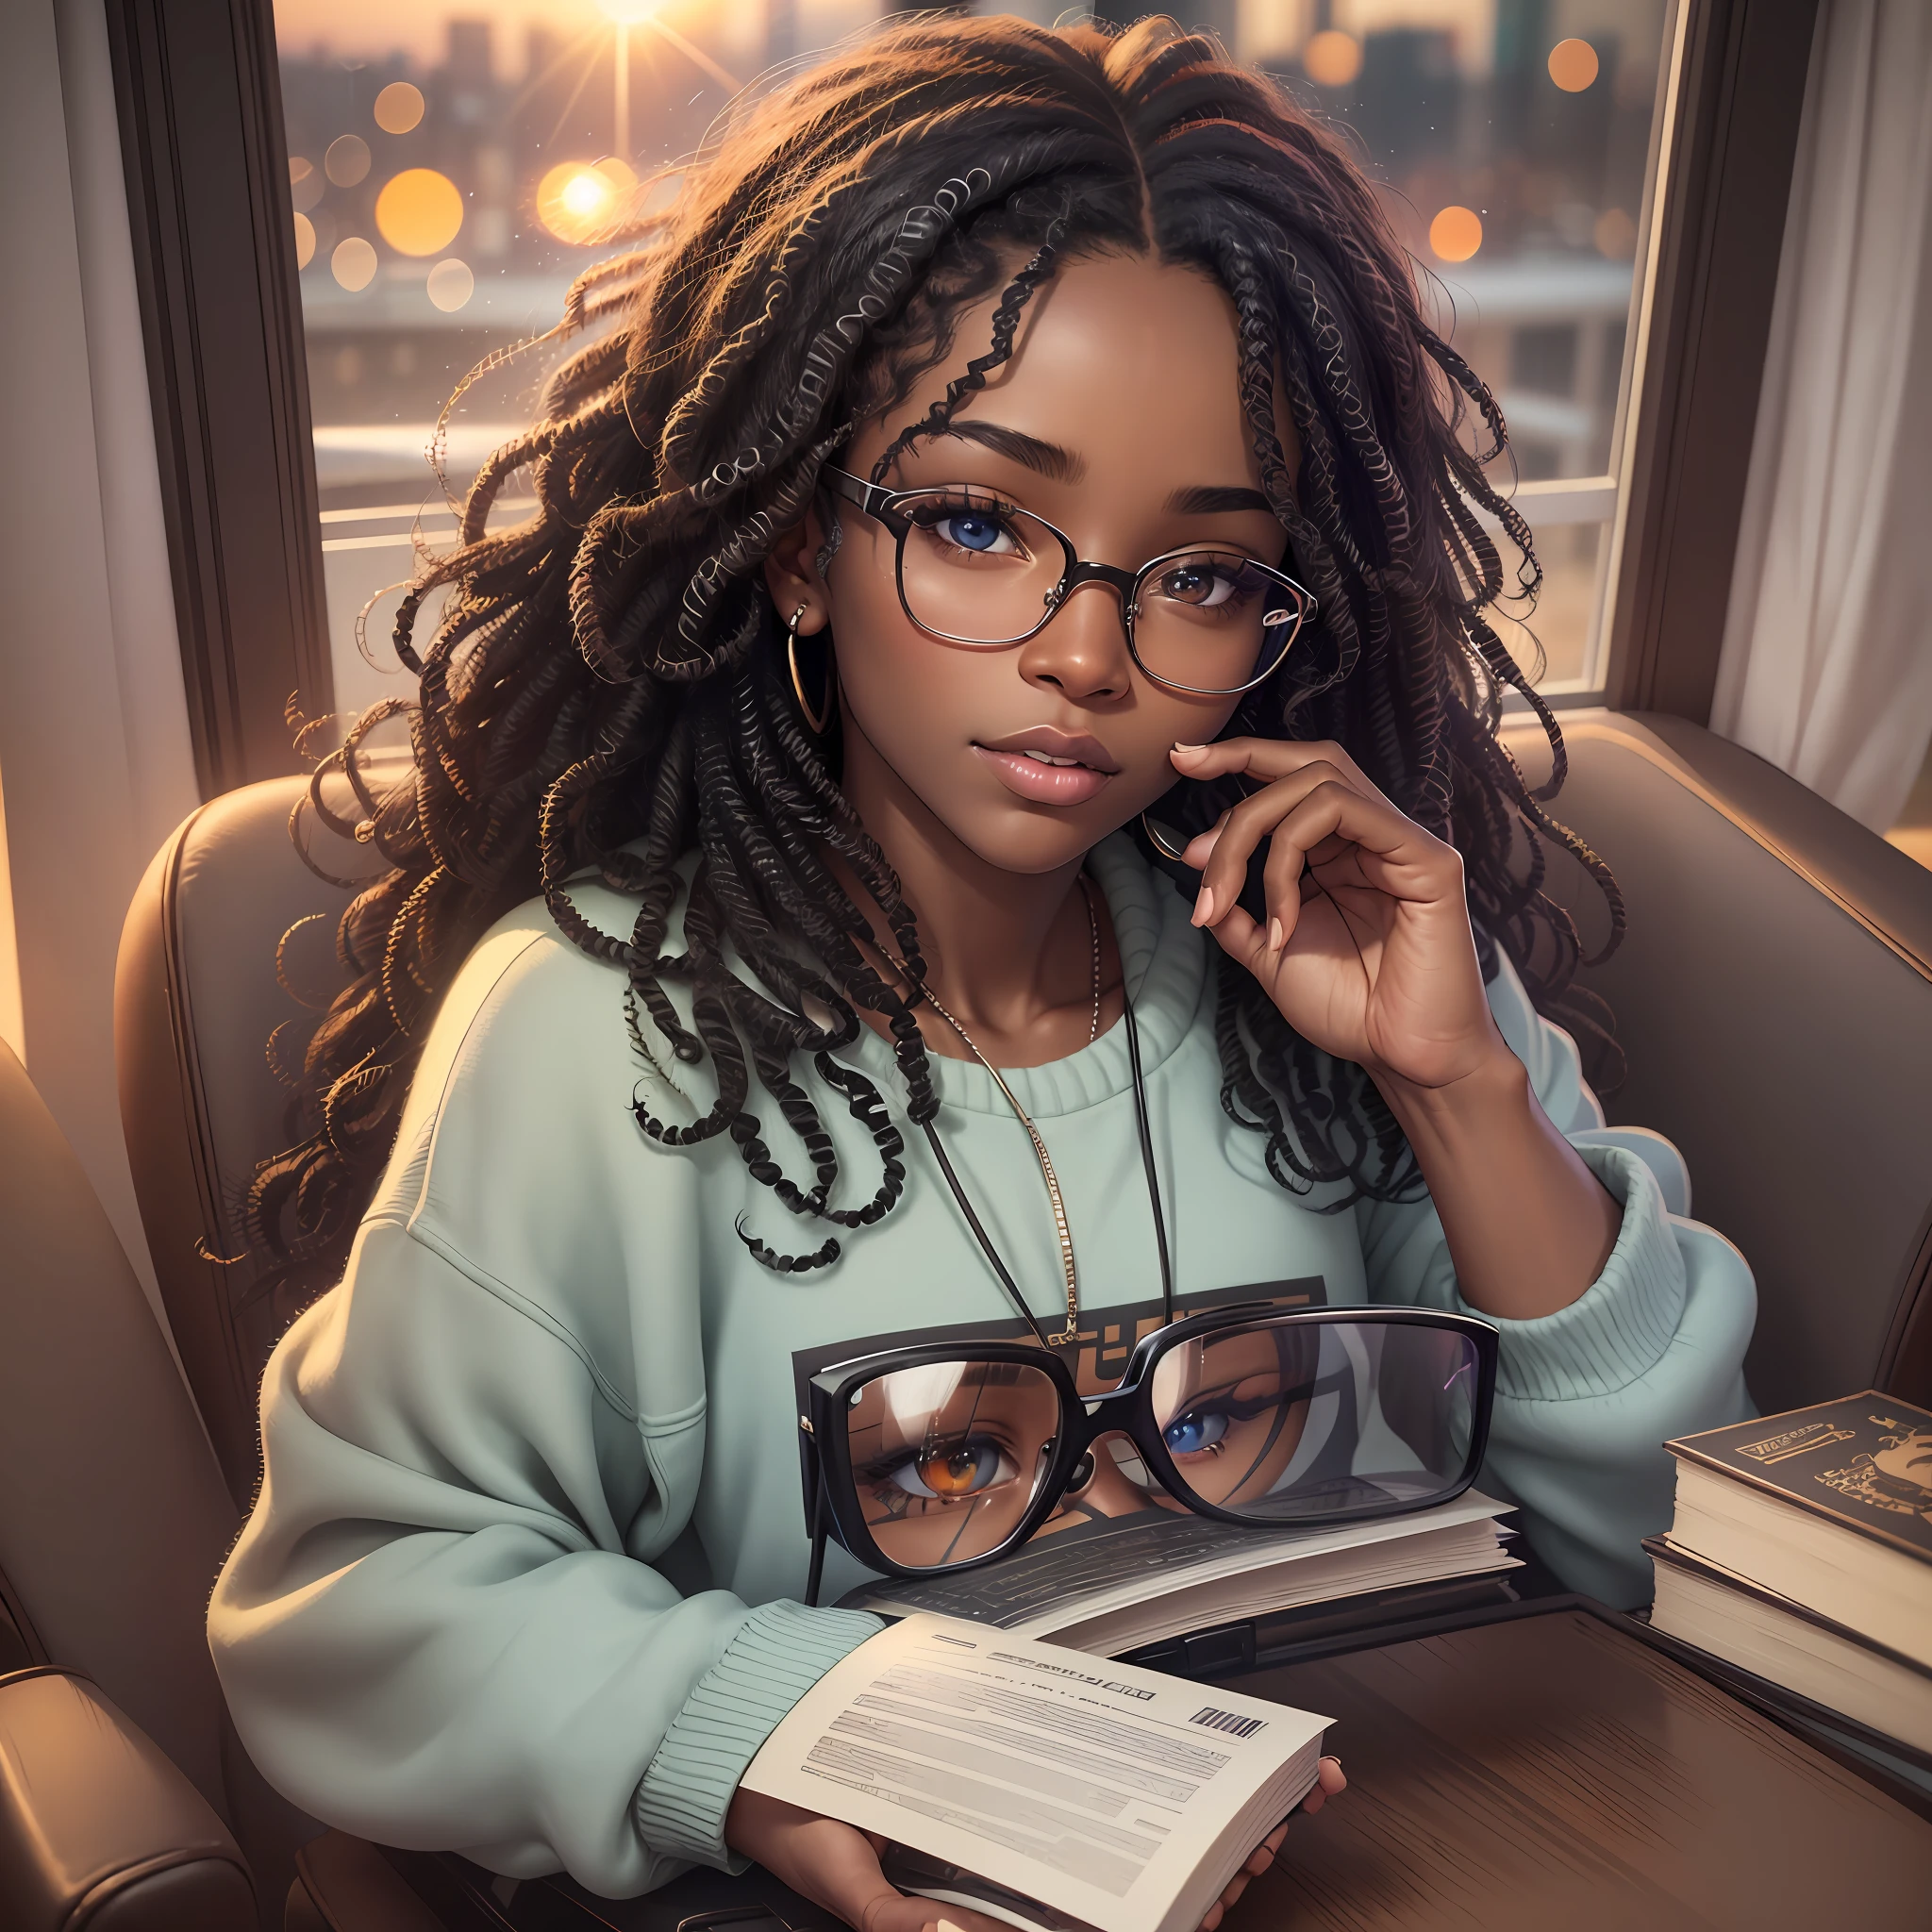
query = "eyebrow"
{"x": 1061, "y": 465}
{"x": 1212, "y": 500}
{"x": 1047, "y": 460}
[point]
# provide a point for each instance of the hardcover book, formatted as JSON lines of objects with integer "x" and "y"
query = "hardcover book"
{"x": 1864, "y": 1461}
{"x": 1827, "y": 1508}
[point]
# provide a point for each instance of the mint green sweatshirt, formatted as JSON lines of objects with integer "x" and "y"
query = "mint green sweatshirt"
{"x": 521, "y": 1578}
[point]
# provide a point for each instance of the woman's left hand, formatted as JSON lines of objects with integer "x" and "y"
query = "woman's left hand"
{"x": 1367, "y": 949}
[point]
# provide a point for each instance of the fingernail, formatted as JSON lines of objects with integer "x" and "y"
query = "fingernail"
{"x": 1275, "y": 935}
{"x": 1204, "y": 906}
{"x": 1179, "y": 746}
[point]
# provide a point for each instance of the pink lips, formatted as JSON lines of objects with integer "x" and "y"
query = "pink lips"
{"x": 1050, "y": 779}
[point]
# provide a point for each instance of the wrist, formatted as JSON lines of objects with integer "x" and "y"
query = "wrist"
{"x": 1494, "y": 1086}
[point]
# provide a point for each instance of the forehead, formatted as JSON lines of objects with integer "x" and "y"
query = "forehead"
{"x": 1118, "y": 359}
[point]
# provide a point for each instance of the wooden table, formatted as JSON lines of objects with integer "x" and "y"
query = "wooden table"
{"x": 1551, "y": 1772}
{"x": 1555, "y": 1772}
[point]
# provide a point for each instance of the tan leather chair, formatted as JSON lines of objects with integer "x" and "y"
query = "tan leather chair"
{"x": 127, "y": 1802}
{"x": 1774, "y": 999}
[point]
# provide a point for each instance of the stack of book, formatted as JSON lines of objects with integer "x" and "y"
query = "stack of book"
{"x": 1802, "y": 1553}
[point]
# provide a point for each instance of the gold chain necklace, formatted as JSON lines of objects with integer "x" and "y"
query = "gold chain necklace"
{"x": 1071, "y": 1333}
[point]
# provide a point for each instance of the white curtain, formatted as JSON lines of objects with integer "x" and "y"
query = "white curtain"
{"x": 1827, "y": 667}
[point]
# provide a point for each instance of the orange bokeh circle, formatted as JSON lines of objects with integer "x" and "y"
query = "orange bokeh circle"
{"x": 1572, "y": 65}
{"x": 1456, "y": 234}
{"x": 419, "y": 212}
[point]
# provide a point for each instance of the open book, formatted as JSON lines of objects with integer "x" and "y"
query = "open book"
{"x": 1035, "y": 1784}
{"x": 1118, "y": 1582}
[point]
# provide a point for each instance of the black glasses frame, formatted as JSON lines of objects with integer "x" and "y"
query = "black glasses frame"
{"x": 887, "y": 507}
{"x": 1128, "y": 1409}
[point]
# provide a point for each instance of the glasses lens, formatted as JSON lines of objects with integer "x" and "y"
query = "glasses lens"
{"x": 973, "y": 569}
{"x": 946, "y": 1459}
{"x": 1213, "y": 620}
{"x": 1293, "y": 1422}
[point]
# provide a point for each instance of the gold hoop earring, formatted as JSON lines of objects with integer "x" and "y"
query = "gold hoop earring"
{"x": 818, "y": 720}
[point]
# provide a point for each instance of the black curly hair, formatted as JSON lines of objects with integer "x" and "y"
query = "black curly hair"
{"x": 605, "y": 691}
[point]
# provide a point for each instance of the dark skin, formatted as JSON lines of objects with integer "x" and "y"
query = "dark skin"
{"x": 1120, "y": 405}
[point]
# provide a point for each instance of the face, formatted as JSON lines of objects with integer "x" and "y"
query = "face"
{"x": 1117, "y": 418}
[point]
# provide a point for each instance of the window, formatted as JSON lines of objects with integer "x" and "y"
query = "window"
{"x": 1594, "y": 186}
{"x": 447, "y": 166}
{"x": 1514, "y": 147}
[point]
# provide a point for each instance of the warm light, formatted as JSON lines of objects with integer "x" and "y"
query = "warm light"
{"x": 419, "y": 212}
{"x": 1615, "y": 235}
{"x": 306, "y": 185}
{"x": 626, "y": 12}
{"x": 347, "y": 161}
{"x": 1456, "y": 234}
{"x": 1572, "y": 65}
{"x": 305, "y": 241}
{"x": 1332, "y": 59}
{"x": 577, "y": 201}
{"x": 398, "y": 107}
{"x": 450, "y": 285}
{"x": 353, "y": 264}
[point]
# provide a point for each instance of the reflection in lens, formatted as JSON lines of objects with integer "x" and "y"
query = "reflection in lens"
{"x": 1285, "y": 1422}
{"x": 945, "y": 1458}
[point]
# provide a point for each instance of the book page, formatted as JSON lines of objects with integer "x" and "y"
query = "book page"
{"x": 1087, "y": 1571}
{"x": 1102, "y": 1791}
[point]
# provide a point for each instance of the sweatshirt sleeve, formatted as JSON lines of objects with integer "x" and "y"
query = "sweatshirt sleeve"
{"x": 1587, "y": 1397}
{"x": 446, "y": 1624}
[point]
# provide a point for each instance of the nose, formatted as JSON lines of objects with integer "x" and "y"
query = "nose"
{"x": 1082, "y": 650}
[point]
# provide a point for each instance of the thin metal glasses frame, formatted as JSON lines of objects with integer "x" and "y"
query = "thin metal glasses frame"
{"x": 1127, "y": 1409}
{"x": 888, "y": 507}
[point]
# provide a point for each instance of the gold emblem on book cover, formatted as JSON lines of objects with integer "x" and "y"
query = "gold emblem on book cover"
{"x": 1896, "y": 1478}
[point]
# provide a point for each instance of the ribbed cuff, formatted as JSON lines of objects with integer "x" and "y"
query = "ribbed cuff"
{"x": 1618, "y": 1329}
{"x": 781, "y": 1650}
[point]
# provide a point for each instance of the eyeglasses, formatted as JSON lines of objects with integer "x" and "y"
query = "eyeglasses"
{"x": 974, "y": 570}
{"x": 941, "y": 1457}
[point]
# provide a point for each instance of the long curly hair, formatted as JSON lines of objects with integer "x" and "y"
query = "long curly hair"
{"x": 604, "y": 694}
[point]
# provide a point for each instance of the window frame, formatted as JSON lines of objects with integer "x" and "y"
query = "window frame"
{"x": 200, "y": 100}
{"x": 200, "y": 109}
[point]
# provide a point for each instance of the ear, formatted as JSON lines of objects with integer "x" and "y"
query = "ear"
{"x": 792, "y": 574}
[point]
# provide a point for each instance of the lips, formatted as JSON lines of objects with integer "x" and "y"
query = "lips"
{"x": 1048, "y": 766}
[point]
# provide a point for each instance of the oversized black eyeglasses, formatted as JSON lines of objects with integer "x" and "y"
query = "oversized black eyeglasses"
{"x": 974, "y": 569}
{"x": 941, "y": 1457}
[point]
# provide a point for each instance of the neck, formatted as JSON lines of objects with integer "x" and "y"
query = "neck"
{"x": 1008, "y": 954}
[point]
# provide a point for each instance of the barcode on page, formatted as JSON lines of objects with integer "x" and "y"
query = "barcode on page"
{"x": 1230, "y": 1721}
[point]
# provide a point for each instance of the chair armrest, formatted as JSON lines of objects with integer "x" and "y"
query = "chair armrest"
{"x": 99, "y": 1831}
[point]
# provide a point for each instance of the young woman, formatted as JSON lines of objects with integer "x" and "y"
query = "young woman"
{"x": 1005, "y": 434}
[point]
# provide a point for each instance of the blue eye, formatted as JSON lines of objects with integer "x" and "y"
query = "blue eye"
{"x": 971, "y": 530}
{"x": 1199, "y": 1429}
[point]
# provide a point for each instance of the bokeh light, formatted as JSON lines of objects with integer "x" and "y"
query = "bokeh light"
{"x": 451, "y": 285}
{"x": 305, "y": 241}
{"x": 1332, "y": 57}
{"x": 1572, "y": 65}
{"x": 306, "y": 185}
{"x": 1456, "y": 234}
{"x": 1615, "y": 235}
{"x": 577, "y": 201}
{"x": 347, "y": 161}
{"x": 398, "y": 107}
{"x": 419, "y": 212}
{"x": 353, "y": 264}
